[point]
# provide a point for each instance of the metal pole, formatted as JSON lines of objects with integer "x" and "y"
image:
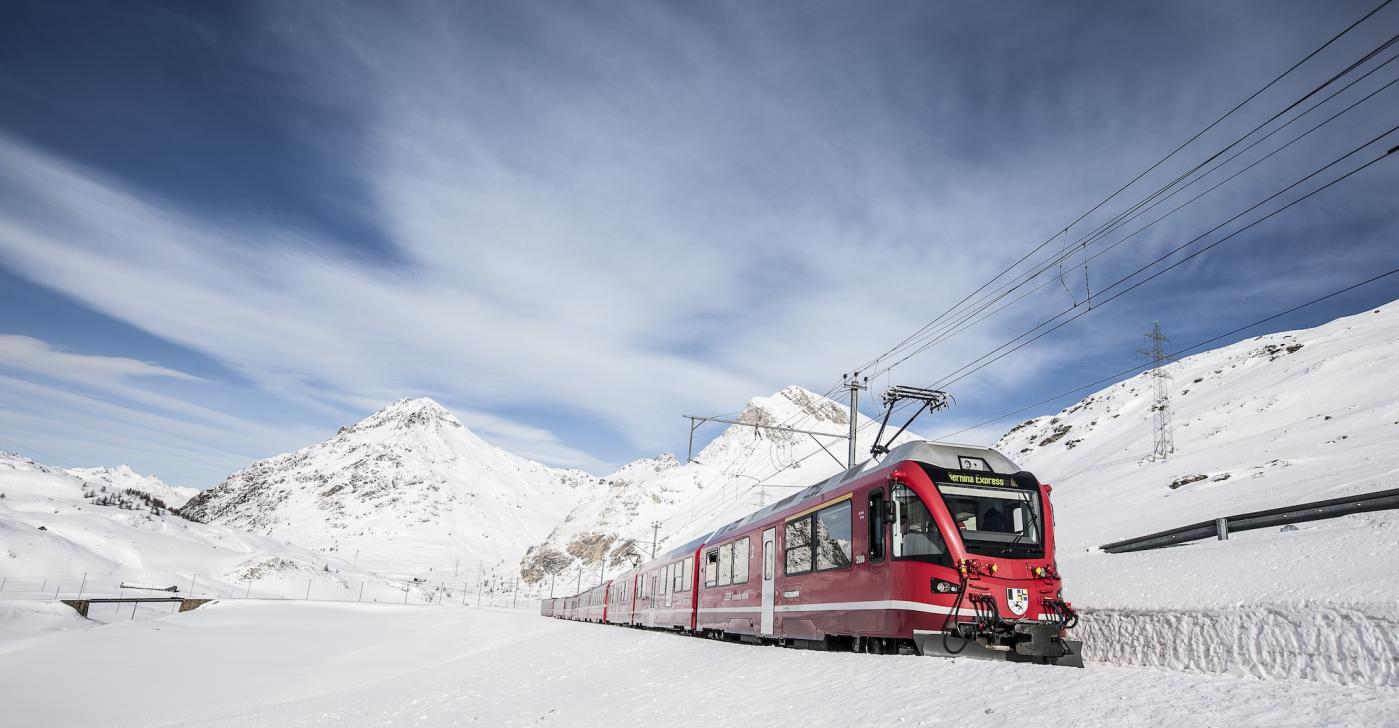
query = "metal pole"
{"x": 249, "y": 593}
{"x": 406, "y": 587}
{"x": 2, "y": 582}
{"x": 360, "y": 598}
{"x": 308, "y": 589}
{"x": 45, "y": 585}
{"x": 191, "y": 584}
{"x": 855, "y": 388}
{"x": 655, "y": 529}
{"x": 82, "y": 586}
{"x": 1221, "y": 528}
{"x": 463, "y": 594}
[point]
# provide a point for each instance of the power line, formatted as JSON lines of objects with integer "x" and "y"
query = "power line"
{"x": 1197, "y": 345}
{"x": 1118, "y": 221}
{"x": 968, "y": 369}
{"x": 967, "y": 322}
{"x": 1137, "y": 178}
{"x": 962, "y": 320}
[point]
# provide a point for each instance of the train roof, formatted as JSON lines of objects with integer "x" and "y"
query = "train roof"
{"x": 938, "y": 454}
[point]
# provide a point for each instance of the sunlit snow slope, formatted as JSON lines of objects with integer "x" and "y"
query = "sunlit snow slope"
{"x": 1268, "y": 422}
{"x": 123, "y": 477}
{"x": 61, "y": 532}
{"x": 406, "y": 490}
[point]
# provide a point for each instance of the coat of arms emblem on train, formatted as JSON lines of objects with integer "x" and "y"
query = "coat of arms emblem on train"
{"x": 1018, "y": 600}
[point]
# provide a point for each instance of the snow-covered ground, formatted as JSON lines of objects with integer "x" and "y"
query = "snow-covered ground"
{"x": 60, "y": 536}
{"x": 236, "y": 664}
{"x": 1268, "y": 422}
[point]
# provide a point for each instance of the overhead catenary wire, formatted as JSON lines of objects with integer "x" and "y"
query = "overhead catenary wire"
{"x": 967, "y": 323}
{"x": 1182, "y": 350}
{"x": 1143, "y": 173}
{"x": 954, "y": 321}
{"x": 1117, "y": 221}
{"x": 1001, "y": 351}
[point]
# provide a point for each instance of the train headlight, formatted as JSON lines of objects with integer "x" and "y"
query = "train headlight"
{"x": 944, "y": 587}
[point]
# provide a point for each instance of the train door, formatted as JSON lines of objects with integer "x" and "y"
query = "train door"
{"x": 669, "y": 585}
{"x": 652, "y": 603}
{"x": 769, "y": 580}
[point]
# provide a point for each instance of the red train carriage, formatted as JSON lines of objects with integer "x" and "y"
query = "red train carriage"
{"x": 939, "y": 548}
{"x": 666, "y": 589}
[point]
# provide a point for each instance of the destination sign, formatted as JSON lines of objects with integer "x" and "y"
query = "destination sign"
{"x": 999, "y": 481}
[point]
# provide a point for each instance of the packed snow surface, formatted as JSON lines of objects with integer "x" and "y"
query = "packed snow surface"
{"x": 236, "y": 664}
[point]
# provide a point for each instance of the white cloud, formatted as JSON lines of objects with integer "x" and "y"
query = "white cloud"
{"x": 615, "y": 219}
{"x": 23, "y": 352}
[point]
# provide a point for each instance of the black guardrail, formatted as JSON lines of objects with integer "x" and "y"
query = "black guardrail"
{"x": 1221, "y": 527}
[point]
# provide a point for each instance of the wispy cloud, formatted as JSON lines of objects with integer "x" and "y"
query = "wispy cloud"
{"x": 611, "y": 218}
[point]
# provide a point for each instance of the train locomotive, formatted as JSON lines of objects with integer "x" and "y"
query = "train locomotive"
{"x": 936, "y": 549}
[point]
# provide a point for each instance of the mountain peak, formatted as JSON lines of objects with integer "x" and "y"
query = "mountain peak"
{"x": 406, "y": 414}
{"x": 794, "y": 399}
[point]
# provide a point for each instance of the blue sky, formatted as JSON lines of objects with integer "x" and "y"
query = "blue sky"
{"x": 226, "y": 229}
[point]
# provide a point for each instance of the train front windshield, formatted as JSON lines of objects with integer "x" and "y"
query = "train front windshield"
{"x": 996, "y": 521}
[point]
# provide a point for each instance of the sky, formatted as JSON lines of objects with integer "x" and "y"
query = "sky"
{"x": 227, "y": 229}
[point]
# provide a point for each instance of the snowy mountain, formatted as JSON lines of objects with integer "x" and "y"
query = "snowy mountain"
{"x": 1268, "y": 422}
{"x": 123, "y": 477}
{"x": 688, "y": 499}
{"x": 59, "y": 531}
{"x": 406, "y": 490}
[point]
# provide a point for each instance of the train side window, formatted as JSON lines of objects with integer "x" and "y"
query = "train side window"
{"x": 741, "y": 556}
{"x": 916, "y": 534}
{"x": 726, "y": 561}
{"x": 796, "y": 547}
{"x": 711, "y": 567}
{"x": 832, "y": 542}
{"x": 876, "y": 524}
{"x": 688, "y": 573}
{"x": 677, "y": 577}
{"x": 767, "y": 560}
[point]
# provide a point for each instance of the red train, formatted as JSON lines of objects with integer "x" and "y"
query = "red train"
{"x": 937, "y": 549}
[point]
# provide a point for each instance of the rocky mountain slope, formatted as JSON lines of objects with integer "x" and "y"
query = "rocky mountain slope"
{"x": 406, "y": 490}
{"x": 687, "y": 499}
